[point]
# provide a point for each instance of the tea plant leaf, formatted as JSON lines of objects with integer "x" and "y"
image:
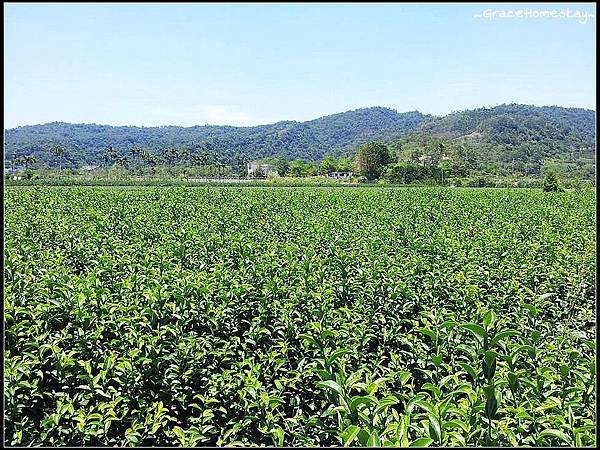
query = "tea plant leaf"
{"x": 557, "y": 434}
{"x": 421, "y": 442}
{"x": 330, "y": 384}
{"x": 349, "y": 434}
{"x": 477, "y": 331}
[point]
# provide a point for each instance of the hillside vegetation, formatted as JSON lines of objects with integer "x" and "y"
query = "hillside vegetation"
{"x": 310, "y": 140}
{"x": 516, "y": 138}
{"x": 501, "y": 140}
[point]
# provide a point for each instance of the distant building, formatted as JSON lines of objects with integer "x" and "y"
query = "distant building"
{"x": 259, "y": 170}
{"x": 339, "y": 175}
{"x": 88, "y": 168}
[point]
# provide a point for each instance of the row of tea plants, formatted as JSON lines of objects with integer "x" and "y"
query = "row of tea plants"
{"x": 296, "y": 317}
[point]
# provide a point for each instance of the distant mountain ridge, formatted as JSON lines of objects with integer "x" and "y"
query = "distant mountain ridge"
{"x": 310, "y": 140}
{"x": 497, "y": 131}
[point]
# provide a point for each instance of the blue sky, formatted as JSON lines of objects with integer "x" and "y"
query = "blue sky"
{"x": 242, "y": 64}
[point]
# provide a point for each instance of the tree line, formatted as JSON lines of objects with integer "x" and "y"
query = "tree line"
{"x": 418, "y": 160}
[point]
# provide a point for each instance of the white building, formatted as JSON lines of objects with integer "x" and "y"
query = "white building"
{"x": 339, "y": 175}
{"x": 257, "y": 169}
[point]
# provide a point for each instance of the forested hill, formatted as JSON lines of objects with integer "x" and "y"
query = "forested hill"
{"x": 515, "y": 124}
{"x": 335, "y": 134}
{"x": 511, "y": 138}
{"x": 502, "y": 134}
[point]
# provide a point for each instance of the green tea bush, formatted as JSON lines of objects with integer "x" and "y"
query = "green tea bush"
{"x": 299, "y": 317}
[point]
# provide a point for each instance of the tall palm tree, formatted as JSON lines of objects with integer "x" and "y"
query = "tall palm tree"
{"x": 29, "y": 161}
{"x": 149, "y": 159}
{"x": 122, "y": 161}
{"x": 195, "y": 156}
{"x": 109, "y": 155}
{"x": 204, "y": 161}
{"x": 135, "y": 152}
{"x": 190, "y": 157}
{"x": 58, "y": 150}
{"x": 215, "y": 162}
{"x": 17, "y": 161}
{"x": 174, "y": 155}
{"x": 136, "y": 158}
{"x": 169, "y": 155}
{"x": 240, "y": 163}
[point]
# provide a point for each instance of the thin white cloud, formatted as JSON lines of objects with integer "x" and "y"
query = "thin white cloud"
{"x": 203, "y": 115}
{"x": 225, "y": 115}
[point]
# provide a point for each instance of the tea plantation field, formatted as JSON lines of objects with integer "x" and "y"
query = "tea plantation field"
{"x": 299, "y": 316}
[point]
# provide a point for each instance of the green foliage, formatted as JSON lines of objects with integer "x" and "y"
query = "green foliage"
{"x": 406, "y": 173}
{"x": 363, "y": 316}
{"x": 510, "y": 139}
{"x": 282, "y": 167}
{"x": 551, "y": 183}
{"x": 301, "y": 168}
{"x": 338, "y": 134}
{"x": 500, "y": 141}
{"x": 371, "y": 160}
{"x": 332, "y": 164}
{"x": 328, "y": 164}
